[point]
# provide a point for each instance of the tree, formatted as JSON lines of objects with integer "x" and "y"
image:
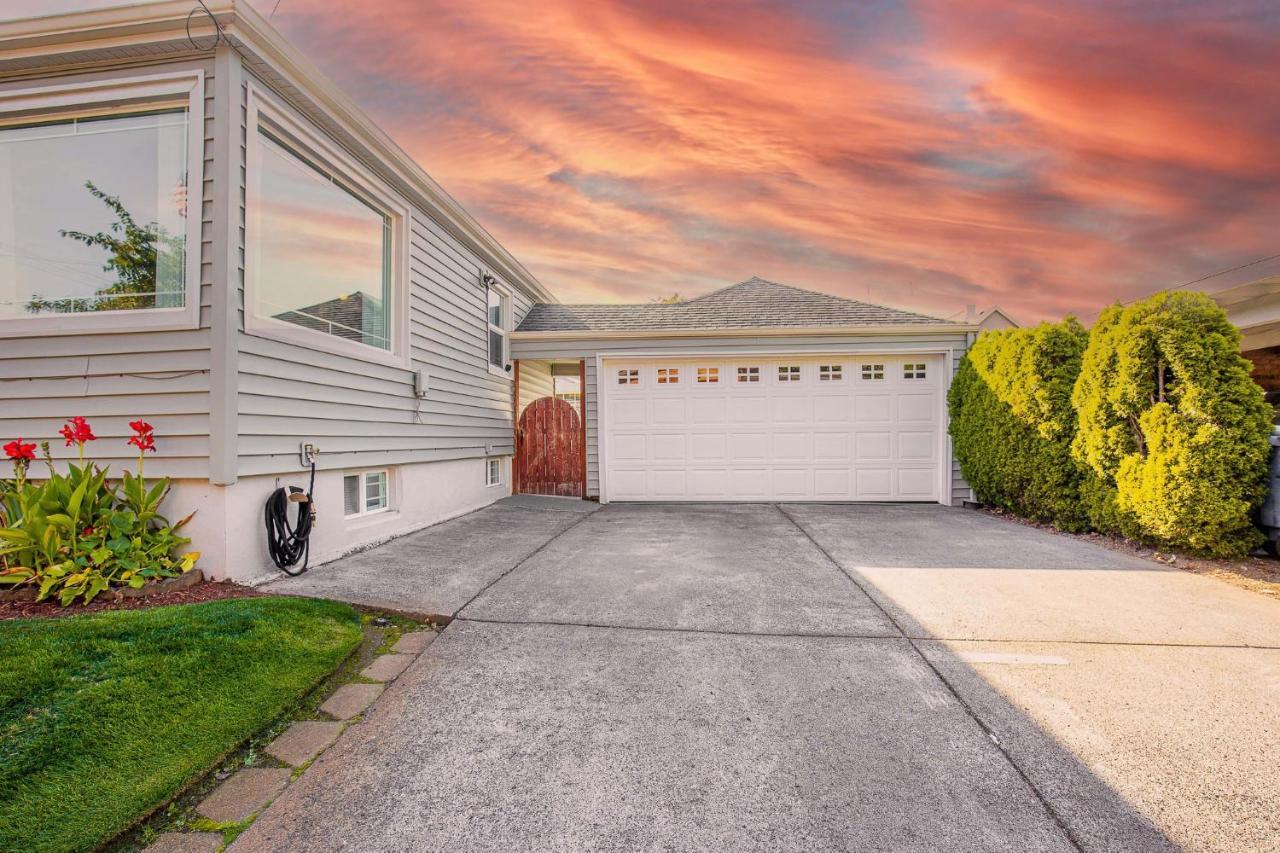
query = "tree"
{"x": 141, "y": 256}
{"x": 1170, "y": 418}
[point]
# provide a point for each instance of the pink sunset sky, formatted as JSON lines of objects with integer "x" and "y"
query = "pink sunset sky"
{"x": 1047, "y": 157}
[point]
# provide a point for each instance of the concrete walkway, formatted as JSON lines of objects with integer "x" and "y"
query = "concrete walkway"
{"x": 803, "y": 677}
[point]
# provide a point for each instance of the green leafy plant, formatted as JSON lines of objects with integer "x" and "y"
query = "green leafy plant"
{"x": 75, "y": 534}
{"x": 1012, "y": 422}
{"x": 1172, "y": 424}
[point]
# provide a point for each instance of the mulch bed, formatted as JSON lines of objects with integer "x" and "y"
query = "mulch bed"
{"x": 207, "y": 591}
{"x": 1257, "y": 574}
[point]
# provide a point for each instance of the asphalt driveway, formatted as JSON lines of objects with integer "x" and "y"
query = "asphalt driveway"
{"x": 808, "y": 677}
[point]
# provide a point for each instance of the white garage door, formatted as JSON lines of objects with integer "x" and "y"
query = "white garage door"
{"x": 862, "y": 428}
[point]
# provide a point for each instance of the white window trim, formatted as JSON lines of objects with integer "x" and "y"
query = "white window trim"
{"x": 366, "y": 513}
{"x": 488, "y": 460}
{"x": 266, "y": 111}
{"x": 127, "y": 95}
{"x": 508, "y": 303}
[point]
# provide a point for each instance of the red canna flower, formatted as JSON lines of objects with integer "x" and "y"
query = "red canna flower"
{"x": 17, "y": 450}
{"x": 143, "y": 441}
{"x": 141, "y": 427}
{"x": 77, "y": 431}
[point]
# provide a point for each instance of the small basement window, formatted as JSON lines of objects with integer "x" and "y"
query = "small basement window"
{"x": 830, "y": 373}
{"x": 748, "y": 374}
{"x": 914, "y": 371}
{"x": 364, "y": 493}
{"x": 873, "y": 371}
{"x": 628, "y": 377}
{"x": 493, "y": 471}
{"x": 709, "y": 375}
{"x": 788, "y": 373}
{"x": 668, "y": 375}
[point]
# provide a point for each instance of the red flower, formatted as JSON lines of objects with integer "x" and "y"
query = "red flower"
{"x": 77, "y": 431}
{"x": 17, "y": 450}
{"x": 141, "y": 427}
{"x": 143, "y": 441}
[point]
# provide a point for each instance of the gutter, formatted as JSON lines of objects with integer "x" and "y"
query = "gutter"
{"x": 158, "y": 23}
{"x": 880, "y": 330}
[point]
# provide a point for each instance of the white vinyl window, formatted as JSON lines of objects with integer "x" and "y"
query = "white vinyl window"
{"x": 364, "y": 493}
{"x": 493, "y": 471}
{"x": 830, "y": 373}
{"x": 748, "y": 374}
{"x": 668, "y": 375}
{"x": 917, "y": 370}
{"x": 97, "y": 229}
{"x": 325, "y": 240}
{"x": 499, "y": 320}
{"x": 873, "y": 371}
{"x": 788, "y": 373}
{"x": 708, "y": 375}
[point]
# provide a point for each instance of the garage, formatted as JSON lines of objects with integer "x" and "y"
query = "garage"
{"x": 774, "y": 428}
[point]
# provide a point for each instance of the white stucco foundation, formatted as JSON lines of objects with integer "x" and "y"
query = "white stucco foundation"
{"x": 229, "y": 532}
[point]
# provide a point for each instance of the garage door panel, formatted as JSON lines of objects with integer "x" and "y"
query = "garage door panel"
{"x": 851, "y": 438}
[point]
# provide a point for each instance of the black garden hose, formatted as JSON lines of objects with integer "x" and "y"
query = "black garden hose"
{"x": 288, "y": 543}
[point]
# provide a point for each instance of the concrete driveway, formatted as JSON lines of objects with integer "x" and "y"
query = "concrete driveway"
{"x": 807, "y": 677}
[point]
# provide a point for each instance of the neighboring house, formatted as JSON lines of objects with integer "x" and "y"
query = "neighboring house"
{"x": 198, "y": 229}
{"x": 290, "y": 276}
{"x": 758, "y": 391}
{"x": 1254, "y": 307}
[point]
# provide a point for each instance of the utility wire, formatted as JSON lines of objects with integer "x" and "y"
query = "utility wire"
{"x": 1224, "y": 272}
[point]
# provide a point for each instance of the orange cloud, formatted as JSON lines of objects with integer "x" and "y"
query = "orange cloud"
{"x": 930, "y": 155}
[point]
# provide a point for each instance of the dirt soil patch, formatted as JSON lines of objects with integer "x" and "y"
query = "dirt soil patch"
{"x": 1257, "y": 574}
{"x": 207, "y": 591}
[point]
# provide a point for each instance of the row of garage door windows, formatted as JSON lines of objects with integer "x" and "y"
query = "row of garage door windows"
{"x": 786, "y": 373}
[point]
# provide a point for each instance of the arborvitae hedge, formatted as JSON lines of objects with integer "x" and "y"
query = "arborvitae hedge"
{"x": 1170, "y": 418}
{"x": 1012, "y": 423}
{"x": 1148, "y": 426}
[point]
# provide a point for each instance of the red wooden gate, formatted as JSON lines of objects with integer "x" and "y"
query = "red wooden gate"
{"x": 549, "y": 449}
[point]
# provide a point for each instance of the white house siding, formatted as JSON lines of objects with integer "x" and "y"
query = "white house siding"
{"x": 531, "y": 348}
{"x": 112, "y": 379}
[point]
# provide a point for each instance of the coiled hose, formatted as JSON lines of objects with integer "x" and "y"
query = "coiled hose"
{"x": 288, "y": 543}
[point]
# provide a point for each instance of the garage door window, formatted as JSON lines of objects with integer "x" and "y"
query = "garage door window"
{"x": 748, "y": 374}
{"x": 628, "y": 377}
{"x": 668, "y": 375}
{"x": 788, "y": 373}
{"x": 830, "y": 373}
{"x": 914, "y": 371}
{"x": 708, "y": 375}
{"x": 873, "y": 371}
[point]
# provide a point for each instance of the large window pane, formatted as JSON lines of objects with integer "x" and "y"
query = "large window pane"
{"x": 321, "y": 256}
{"x": 93, "y": 214}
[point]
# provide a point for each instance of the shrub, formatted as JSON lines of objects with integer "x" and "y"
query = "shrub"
{"x": 1012, "y": 422}
{"x": 1170, "y": 419}
{"x": 76, "y": 534}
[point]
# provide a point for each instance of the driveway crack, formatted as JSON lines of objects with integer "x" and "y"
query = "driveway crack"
{"x": 968, "y": 709}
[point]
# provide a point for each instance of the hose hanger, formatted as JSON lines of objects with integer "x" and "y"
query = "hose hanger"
{"x": 288, "y": 543}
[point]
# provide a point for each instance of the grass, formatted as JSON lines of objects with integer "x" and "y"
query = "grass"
{"x": 105, "y": 717}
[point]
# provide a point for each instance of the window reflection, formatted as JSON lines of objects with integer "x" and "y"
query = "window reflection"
{"x": 320, "y": 256}
{"x": 93, "y": 214}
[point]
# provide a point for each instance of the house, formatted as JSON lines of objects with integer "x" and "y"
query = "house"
{"x": 1254, "y": 307}
{"x": 197, "y": 228}
{"x": 755, "y": 392}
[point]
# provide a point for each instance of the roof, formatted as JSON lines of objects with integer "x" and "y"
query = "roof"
{"x": 49, "y": 45}
{"x": 751, "y": 304}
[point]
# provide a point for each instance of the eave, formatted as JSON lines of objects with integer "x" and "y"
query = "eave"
{"x": 878, "y": 330}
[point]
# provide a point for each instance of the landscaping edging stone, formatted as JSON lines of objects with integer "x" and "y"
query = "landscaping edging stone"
{"x": 250, "y": 790}
{"x": 183, "y": 581}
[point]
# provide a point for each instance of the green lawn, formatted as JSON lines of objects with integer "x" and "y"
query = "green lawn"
{"x": 104, "y": 717}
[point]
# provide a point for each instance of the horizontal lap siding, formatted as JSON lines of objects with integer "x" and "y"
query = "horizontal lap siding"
{"x": 719, "y": 347}
{"x": 112, "y": 379}
{"x": 362, "y": 414}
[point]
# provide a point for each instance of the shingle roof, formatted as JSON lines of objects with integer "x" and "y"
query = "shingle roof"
{"x": 751, "y": 304}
